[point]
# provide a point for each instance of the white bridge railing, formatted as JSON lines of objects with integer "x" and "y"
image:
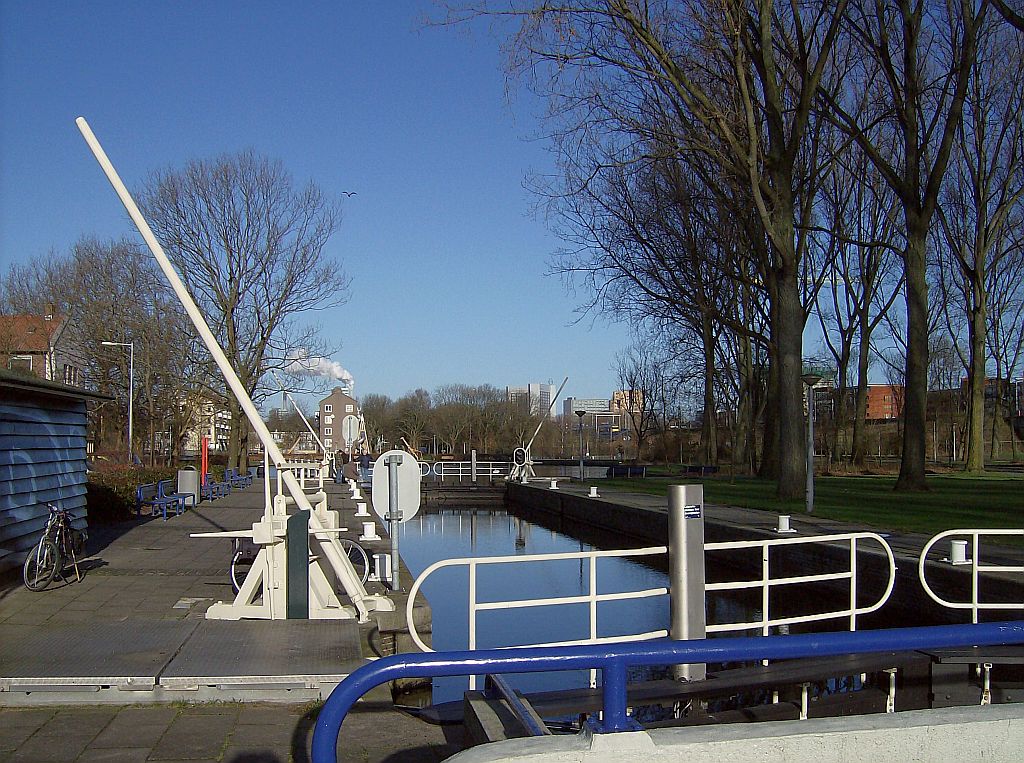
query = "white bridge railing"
{"x": 592, "y": 598}
{"x": 463, "y": 470}
{"x": 958, "y": 556}
{"x": 766, "y": 583}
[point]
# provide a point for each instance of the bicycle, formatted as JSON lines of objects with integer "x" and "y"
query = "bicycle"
{"x": 244, "y": 552}
{"x": 48, "y": 558}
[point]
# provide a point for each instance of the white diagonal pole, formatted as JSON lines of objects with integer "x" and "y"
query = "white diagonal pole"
{"x": 339, "y": 561}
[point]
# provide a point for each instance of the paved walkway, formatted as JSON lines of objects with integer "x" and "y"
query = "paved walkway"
{"x": 141, "y": 576}
{"x": 230, "y": 732}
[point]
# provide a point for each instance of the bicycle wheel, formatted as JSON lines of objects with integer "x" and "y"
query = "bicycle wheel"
{"x": 241, "y": 563}
{"x": 357, "y": 555}
{"x": 41, "y": 565}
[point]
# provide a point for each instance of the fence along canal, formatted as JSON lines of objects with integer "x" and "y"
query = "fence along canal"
{"x": 555, "y": 590}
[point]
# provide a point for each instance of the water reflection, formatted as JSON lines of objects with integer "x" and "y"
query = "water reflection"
{"x": 447, "y": 534}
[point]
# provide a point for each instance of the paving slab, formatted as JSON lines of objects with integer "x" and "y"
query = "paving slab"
{"x": 104, "y": 653}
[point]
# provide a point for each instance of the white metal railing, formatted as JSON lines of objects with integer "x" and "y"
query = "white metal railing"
{"x": 977, "y": 568}
{"x": 766, "y": 583}
{"x": 462, "y": 469}
{"x": 592, "y": 598}
{"x": 304, "y": 471}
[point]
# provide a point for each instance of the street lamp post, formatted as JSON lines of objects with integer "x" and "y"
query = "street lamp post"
{"x": 131, "y": 389}
{"x": 810, "y": 379}
{"x": 581, "y": 414}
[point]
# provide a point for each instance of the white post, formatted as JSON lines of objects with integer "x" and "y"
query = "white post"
{"x": 686, "y": 571}
{"x": 131, "y": 400}
{"x": 339, "y": 561}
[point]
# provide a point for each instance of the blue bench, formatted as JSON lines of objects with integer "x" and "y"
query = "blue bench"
{"x": 233, "y": 478}
{"x": 701, "y": 470}
{"x": 626, "y": 471}
{"x": 149, "y": 495}
{"x": 211, "y": 491}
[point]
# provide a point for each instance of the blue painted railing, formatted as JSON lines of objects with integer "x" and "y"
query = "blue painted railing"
{"x": 614, "y": 659}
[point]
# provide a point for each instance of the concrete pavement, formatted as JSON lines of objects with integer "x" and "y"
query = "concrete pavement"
{"x": 137, "y": 613}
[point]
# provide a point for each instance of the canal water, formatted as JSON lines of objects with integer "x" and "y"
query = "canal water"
{"x": 446, "y": 534}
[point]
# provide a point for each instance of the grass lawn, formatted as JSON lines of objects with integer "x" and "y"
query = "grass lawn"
{"x": 952, "y": 501}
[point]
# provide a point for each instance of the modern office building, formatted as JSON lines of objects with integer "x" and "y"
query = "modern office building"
{"x": 536, "y": 398}
{"x": 589, "y": 404}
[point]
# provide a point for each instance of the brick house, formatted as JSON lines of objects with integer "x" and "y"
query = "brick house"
{"x": 333, "y": 410}
{"x": 43, "y": 346}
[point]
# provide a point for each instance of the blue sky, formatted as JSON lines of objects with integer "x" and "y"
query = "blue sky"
{"x": 447, "y": 263}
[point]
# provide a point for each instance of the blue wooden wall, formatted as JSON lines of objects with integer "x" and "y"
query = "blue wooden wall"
{"x": 42, "y": 458}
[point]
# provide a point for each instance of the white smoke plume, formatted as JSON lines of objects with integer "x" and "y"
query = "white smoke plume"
{"x": 302, "y": 364}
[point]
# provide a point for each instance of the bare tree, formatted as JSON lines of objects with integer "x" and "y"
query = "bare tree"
{"x": 862, "y": 282}
{"x": 735, "y": 81}
{"x": 979, "y": 200}
{"x": 901, "y": 101}
{"x": 250, "y": 246}
{"x": 111, "y": 291}
{"x": 640, "y": 378}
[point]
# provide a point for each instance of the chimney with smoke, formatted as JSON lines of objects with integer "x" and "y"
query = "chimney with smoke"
{"x": 302, "y": 364}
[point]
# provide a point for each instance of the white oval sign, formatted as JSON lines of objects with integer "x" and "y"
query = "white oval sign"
{"x": 408, "y": 484}
{"x": 350, "y": 429}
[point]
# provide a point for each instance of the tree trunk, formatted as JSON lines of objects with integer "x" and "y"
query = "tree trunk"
{"x": 789, "y": 341}
{"x": 915, "y": 401}
{"x": 976, "y": 387}
{"x": 709, "y": 427}
{"x": 860, "y": 439}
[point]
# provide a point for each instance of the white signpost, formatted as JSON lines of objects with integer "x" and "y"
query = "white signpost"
{"x": 350, "y": 430}
{"x": 396, "y": 496}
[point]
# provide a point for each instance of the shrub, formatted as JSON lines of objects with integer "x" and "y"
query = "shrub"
{"x": 110, "y": 491}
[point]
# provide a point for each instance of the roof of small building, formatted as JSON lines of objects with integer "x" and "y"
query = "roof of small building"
{"x": 29, "y": 383}
{"x": 29, "y": 333}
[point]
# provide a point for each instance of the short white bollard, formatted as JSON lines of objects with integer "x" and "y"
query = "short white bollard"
{"x": 958, "y": 552}
{"x": 784, "y": 527}
{"x": 369, "y": 531}
{"x": 593, "y": 491}
{"x": 554, "y": 484}
{"x": 361, "y": 510}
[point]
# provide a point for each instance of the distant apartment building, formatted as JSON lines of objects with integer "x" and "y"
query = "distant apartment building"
{"x": 625, "y": 401}
{"x": 589, "y": 404}
{"x": 43, "y": 346}
{"x": 208, "y": 419}
{"x": 333, "y": 410}
{"x": 535, "y": 398}
{"x": 885, "y": 401}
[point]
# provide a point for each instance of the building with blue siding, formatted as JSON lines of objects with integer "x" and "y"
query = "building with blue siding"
{"x": 42, "y": 458}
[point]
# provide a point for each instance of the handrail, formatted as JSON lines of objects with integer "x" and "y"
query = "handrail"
{"x": 592, "y": 598}
{"x": 765, "y": 582}
{"x": 614, "y": 659}
{"x": 974, "y": 605}
{"x": 460, "y": 469}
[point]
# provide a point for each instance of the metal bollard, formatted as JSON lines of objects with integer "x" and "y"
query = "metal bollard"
{"x": 784, "y": 526}
{"x": 686, "y": 571}
{"x": 394, "y": 517}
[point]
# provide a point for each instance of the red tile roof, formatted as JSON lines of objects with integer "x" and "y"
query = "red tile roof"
{"x": 28, "y": 333}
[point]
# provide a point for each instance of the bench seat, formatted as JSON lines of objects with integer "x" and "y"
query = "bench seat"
{"x": 148, "y": 494}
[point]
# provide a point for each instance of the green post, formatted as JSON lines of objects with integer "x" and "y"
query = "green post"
{"x": 297, "y": 573}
